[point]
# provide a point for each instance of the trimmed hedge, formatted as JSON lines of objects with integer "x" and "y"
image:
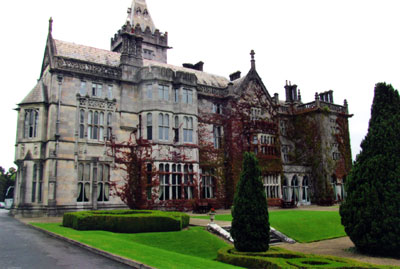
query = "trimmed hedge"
{"x": 127, "y": 221}
{"x": 276, "y": 258}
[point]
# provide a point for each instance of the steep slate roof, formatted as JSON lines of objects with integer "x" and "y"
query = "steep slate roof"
{"x": 106, "y": 57}
{"x": 202, "y": 77}
{"x": 37, "y": 95}
{"x": 85, "y": 53}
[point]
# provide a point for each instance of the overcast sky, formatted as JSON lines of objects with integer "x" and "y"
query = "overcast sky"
{"x": 343, "y": 45}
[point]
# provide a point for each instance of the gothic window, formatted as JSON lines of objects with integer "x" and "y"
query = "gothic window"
{"x": 176, "y": 183}
{"x": 103, "y": 183}
{"x": 271, "y": 185}
{"x": 148, "y": 54}
{"x": 164, "y": 182}
{"x": 34, "y": 178}
{"x": 305, "y": 190}
{"x": 176, "y": 130}
{"x": 295, "y": 188}
{"x": 207, "y": 184}
{"x": 187, "y": 96}
{"x": 149, "y": 170}
{"x": 163, "y": 92}
{"x": 82, "y": 90}
{"x": 149, "y": 91}
{"x": 255, "y": 113}
{"x": 83, "y": 182}
{"x": 217, "y": 108}
{"x": 163, "y": 126}
{"x": 96, "y": 125}
{"x": 187, "y": 129}
{"x": 188, "y": 181}
{"x": 40, "y": 183}
{"x": 145, "y": 12}
{"x": 31, "y": 123}
{"x": 336, "y": 156}
{"x": 149, "y": 124}
{"x": 82, "y": 123}
{"x": 217, "y": 137}
{"x": 110, "y": 92}
{"x": 97, "y": 89}
{"x": 109, "y": 126}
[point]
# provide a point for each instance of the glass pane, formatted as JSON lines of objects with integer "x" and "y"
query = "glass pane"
{"x": 149, "y": 119}
{"x": 87, "y": 192}
{"x": 87, "y": 172}
{"x": 160, "y": 92}
{"x": 90, "y": 117}
{"x": 80, "y": 172}
{"x": 100, "y": 172}
{"x": 160, "y": 119}
{"x": 106, "y": 192}
{"x": 96, "y": 117}
{"x": 82, "y": 116}
{"x": 110, "y": 92}
{"x": 166, "y": 93}
{"x": 101, "y": 133}
{"x": 149, "y": 91}
{"x": 80, "y": 192}
{"x": 109, "y": 117}
{"x": 101, "y": 118}
{"x": 106, "y": 175}
{"x": 99, "y": 192}
{"x": 99, "y": 90}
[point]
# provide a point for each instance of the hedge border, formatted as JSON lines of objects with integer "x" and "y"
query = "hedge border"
{"x": 281, "y": 258}
{"x": 126, "y": 221}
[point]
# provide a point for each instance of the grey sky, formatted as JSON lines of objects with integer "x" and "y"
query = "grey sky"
{"x": 346, "y": 46}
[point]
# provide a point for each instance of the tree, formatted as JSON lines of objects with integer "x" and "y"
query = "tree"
{"x": 7, "y": 179}
{"x": 371, "y": 212}
{"x": 250, "y": 224}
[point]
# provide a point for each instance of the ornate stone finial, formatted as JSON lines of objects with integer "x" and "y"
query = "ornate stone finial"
{"x": 299, "y": 95}
{"x": 128, "y": 18}
{"x": 345, "y": 103}
{"x": 253, "y": 62}
{"x": 50, "y": 24}
{"x": 316, "y": 96}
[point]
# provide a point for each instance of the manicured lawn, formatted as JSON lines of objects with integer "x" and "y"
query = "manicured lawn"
{"x": 192, "y": 248}
{"x": 302, "y": 226}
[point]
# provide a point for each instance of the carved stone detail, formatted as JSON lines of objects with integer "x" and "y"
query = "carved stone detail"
{"x": 96, "y": 103}
{"x": 91, "y": 68}
{"x": 212, "y": 91}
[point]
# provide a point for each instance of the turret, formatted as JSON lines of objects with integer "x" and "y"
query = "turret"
{"x": 140, "y": 23}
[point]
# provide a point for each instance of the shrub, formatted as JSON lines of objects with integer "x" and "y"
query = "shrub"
{"x": 250, "y": 225}
{"x": 281, "y": 258}
{"x": 127, "y": 221}
{"x": 370, "y": 213}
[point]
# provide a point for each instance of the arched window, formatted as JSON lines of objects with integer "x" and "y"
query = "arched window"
{"x": 295, "y": 188}
{"x": 305, "y": 190}
{"x": 103, "y": 185}
{"x": 149, "y": 126}
{"x": 31, "y": 123}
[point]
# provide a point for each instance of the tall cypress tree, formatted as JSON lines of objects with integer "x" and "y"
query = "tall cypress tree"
{"x": 250, "y": 224}
{"x": 371, "y": 211}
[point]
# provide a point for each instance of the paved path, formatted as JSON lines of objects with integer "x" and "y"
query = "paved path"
{"x": 23, "y": 247}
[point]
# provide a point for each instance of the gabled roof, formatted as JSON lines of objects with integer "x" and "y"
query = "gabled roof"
{"x": 37, "y": 95}
{"x": 86, "y": 53}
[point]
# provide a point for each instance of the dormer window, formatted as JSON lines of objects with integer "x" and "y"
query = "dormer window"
{"x": 255, "y": 113}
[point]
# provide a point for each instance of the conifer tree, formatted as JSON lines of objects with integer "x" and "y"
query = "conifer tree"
{"x": 371, "y": 211}
{"x": 250, "y": 224}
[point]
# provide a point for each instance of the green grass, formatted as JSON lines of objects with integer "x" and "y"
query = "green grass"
{"x": 302, "y": 226}
{"x": 191, "y": 248}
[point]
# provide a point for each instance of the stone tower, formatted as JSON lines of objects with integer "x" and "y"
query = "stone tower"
{"x": 154, "y": 44}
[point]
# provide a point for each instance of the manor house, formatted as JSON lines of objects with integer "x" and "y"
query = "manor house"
{"x": 197, "y": 125}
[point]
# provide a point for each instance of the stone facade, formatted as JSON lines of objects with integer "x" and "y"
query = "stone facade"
{"x": 86, "y": 95}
